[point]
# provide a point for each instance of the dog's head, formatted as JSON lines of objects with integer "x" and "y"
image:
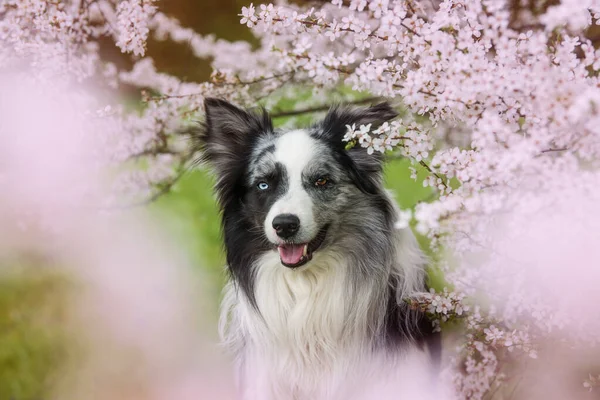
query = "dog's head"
{"x": 286, "y": 190}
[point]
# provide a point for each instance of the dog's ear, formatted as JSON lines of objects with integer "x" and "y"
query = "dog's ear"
{"x": 226, "y": 138}
{"x": 367, "y": 168}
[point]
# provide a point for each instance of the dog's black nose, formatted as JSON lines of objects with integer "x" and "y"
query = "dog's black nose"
{"x": 286, "y": 225}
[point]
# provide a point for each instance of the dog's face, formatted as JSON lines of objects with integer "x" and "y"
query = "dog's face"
{"x": 288, "y": 189}
{"x": 296, "y": 190}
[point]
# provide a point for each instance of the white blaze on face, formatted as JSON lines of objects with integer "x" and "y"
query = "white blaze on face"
{"x": 294, "y": 150}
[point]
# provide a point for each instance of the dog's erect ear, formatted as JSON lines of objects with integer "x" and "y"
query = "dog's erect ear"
{"x": 226, "y": 138}
{"x": 229, "y": 131}
{"x": 367, "y": 167}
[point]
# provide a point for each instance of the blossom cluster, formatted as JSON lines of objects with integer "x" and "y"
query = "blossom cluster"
{"x": 441, "y": 307}
{"x": 489, "y": 341}
{"x": 391, "y": 135}
{"x": 133, "y": 17}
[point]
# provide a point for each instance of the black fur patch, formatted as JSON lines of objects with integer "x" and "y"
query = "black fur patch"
{"x": 257, "y": 203}
{"x": 226, "y": 140}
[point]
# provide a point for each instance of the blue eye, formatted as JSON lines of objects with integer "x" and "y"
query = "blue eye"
{"x": 263, "y": 185}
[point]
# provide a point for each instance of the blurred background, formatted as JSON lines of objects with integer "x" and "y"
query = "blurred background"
{"x": 35, "y": 345}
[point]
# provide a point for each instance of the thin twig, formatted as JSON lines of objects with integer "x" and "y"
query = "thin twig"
{"x": 165, "y": 186}
{"x": 371, "y": 34}
{"x": 554, "y": 150}
{"x": 512, "y": 393}
{"x": 424, "y": 164}
{"x": 153, "y": 152}
{"x": 238, "y": 82}
{"x": 324, "y": 107}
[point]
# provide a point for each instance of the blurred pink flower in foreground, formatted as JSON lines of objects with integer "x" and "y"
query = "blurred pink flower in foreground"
{"x": 138, "y": 311}
{"x": 533, "y": 272}
{"x": 539, "y": 261}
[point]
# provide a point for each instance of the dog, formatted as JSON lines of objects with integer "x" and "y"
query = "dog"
{"x": 315, "y": 307}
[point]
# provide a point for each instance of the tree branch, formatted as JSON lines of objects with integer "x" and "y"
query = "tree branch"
{"x": 424, "y": 165}
{"x": 315, "y": 109}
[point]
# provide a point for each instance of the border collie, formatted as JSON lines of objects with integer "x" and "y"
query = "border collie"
{"x": 318, "y": 272}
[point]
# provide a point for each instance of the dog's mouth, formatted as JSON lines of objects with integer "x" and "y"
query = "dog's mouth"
{"x": 294, "y": 255}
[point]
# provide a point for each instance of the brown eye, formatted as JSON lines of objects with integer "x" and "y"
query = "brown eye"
{"x": 321, "y": 182}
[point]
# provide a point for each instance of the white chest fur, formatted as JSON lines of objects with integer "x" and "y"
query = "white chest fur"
{"x": 310, "y": 340}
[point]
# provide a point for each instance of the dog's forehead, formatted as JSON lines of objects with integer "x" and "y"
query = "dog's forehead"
{"x": 294, "y": 149}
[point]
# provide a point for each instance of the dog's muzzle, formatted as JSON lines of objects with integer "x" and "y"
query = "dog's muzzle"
{"x": 294, "y": 255}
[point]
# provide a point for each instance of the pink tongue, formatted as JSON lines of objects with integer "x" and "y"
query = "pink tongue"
{"x": 291, "y": 253}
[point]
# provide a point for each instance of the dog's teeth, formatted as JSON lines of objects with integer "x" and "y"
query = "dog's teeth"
{"x": 305, "y": 253}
